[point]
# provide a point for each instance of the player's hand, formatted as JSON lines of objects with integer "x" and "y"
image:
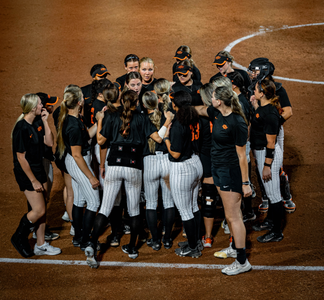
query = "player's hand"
{"x": 100, "y": 115}
{"x": 169, "y": 115}
{"x": 254, "y": 102}
{"x": 44, "y": 114}
{"x": 168, "y": 131}
{"x": 266, "y": 174}
{"x": 247, "y": 191}
{"x": 102, "y": 172}
{"x": 38, "y": 187}
{"x": 94, "y": 182}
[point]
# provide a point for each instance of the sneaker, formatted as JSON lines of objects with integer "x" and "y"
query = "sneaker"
{"x": 154, "y": 245}
{"x": 225, "y": 227}
{"x": 187, "y": 251}
{"x": 270, "y": 237}
{"x": 226, "y": 253}
{"x": 46, "y": 249}
{"x": 249, "y": 217}
{"x": 142, "y": 236}
{"x": 253, "y": 190}
{"x": 184, "y": 233}
{"x": 265, "y": 225}
{"x": 49, "y": 236}
{"x": 264, "y": 206}
{"x": 72, "y": 232}
{"x": 207, "y": 242}
{"x": 91, "y": 257}
{"x": 185, "y": 244}
{"x": 126, "y": 229}
{"x": 114, "y": 242}
{"x": 236, "y": 268}
{"x": 65, "y": 217}
{"x": 289, "y": 205}
{"x": 132, "y": 252}
{"x": 167, "y": 243}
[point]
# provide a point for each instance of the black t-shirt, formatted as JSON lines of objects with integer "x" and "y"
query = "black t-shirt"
{"x": 283, "y": 97}
{"x": 245, "y": 75}
{"x": 86, "y": 91}
{"x": 28, "y": 138}
{"x": 121, "y": 80}
{"x": 193, "y": 90}
{"x": 181, "y": 141}
{"x": 75, "y": 133}
{"x": 195, "y": 72}
{"x": 228, "y": 132}
{"x": 245, "y": 106}
{"x": 48, "y": 151}
{"x": 149, "y": 87}
{"x": 205, "y": 135}
{"x": 265, "y": 120}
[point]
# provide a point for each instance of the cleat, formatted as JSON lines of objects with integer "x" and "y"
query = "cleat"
{"x": 154, "y": 245}
{"x": 185, "y": 244}
{"x": 91, "y": 257}
{"x": 264, "y": 206}
{"x": 226, "y": 253}
{"x": 270, "y": 237}
{"x": 249, "y": 217}
{"x": 167, "y": 243}
{"x": 236, "y": 268}
{"x": 76, "y": 242}
{"x": 187, "y": 251}
{"x": 289, "y": 205}
{"x": 207, "y": 242}
{"x": 49, "y": 236}
{"x": 46, "y": 249}
{"x": 126, "y": 229}
{"x": 265, "y": 225}
{"x": 132, "y": 252}
{"x": 225, "y": 227}
{"x": 115, "y": 241}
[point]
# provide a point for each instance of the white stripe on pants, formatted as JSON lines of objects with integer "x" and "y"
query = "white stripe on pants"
{"x": 82, "y": 188}
{"x": 272, "y": 187}
{"x": 113, "y": 180}
{"x": 184, "y": 181}
{"x": 157, "y": 172}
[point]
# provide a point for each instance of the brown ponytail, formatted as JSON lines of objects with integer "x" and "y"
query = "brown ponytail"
{"x": 130, "y": 99}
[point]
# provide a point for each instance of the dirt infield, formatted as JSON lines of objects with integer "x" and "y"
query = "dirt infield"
{"x": 46, "y": 45}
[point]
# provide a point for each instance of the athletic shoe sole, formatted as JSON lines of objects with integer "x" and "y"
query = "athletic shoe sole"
{"x": 91, "y": 261}
{"x": 242, "y": 269}
{"x": 130, "y": 255}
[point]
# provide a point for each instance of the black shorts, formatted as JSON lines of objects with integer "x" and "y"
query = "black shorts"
{"x": 60, "y": 162}
{"x": 24, "y": 182}
{"x": 206, "y": 163}
{"x": 228, "y": 178}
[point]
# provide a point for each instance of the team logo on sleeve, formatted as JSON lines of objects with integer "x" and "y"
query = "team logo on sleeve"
{"x": 39, "y": 128}
{"x": 257, "y": 116}
{"x": 31, "y": 136}
{"x": 225, "y": 127}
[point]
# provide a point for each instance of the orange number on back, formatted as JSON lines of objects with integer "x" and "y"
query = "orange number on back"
{"x": 194, "y": 132}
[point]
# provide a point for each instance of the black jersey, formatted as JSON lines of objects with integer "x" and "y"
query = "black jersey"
{"x": 195, "y": 72}
{"x": 265, "y": 120}
{"x": 228, "y": 132}
{"x": 75, "y": 133}
{"x": 193, "y": 90}
{"x": 149, "y": 87}
{"x": 245, "y": 107}
{"x": 205, "y": 135}
{"x": 283, "y": 97}
{"x": 181, "y": 141}
{"x": 121, "y": 80}
{"x": 245, "y": 75}
{"x": 87, "y": 92}
{"x": 28, "y": 138}
{"x": 48, "y": 151}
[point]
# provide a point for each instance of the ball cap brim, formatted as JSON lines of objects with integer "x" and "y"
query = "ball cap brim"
{"x": 47, "y": 99}
{"x": 220, "y": 60}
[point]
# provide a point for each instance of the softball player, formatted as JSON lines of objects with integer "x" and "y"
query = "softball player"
{"x": 186, "y": 170}
{"x": 131, "y": 64}
{"x": 261, "y": 67}
{"x": 156, "y": 173}
{"x": 184, "y": 71}
{"x": 28, "y": 139}
{"x": 265, "y": 126}
{"x": 73, "y": 138}
{"x": 183, "y": 53}
{"x": 224, "y": 61}
{"x": 230, "y": 169}
{"x": 127, "y": 134}
{"x": 147, "y": 69}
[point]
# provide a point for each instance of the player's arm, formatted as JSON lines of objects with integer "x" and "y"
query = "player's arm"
{"x": 241, "y": 153}
{"x": 286, "y": 113}
{"x": 202, "y": 110}
{"x": 92, "y": 130}
{"x": 77, "y": 155}
{"x": 48, "y": 137}
{"x": 167, "y": 141}
{"x": 26, "y": 168}
{"x": 270, "y": 149}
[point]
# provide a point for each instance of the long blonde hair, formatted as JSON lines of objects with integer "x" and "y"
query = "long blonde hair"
{"x": 27, "y": 102}
{"x": 72, "y": 95}
{"x": 206, "y": 93}
{"x": 162, "y": 88}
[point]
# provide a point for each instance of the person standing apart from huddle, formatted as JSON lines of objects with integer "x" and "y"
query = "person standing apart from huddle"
{"x": 28, "y": 140}
{"x": 73, "y": 137}
{"x": 230, "y": 170}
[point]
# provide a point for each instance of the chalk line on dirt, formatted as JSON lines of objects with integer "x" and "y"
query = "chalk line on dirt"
{"x": 154, "y": 265}
{"x": 264, "y": 30}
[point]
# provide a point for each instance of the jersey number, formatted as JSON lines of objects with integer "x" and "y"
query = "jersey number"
{"x": 194, "y": 132}
{"x": 92, "y": 115}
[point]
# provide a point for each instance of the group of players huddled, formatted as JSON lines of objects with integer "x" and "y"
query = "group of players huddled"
{"x": 123, "y": 145}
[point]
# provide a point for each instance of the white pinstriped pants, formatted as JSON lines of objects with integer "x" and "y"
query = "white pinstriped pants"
{"x": 113, "y": 180}
{"x": 272, "y": 187}
{"x": 157, "y": 172}
{"x": 184, "y": 182}
{"x": 281, "y": 138}
{"x": 82, "y": 188}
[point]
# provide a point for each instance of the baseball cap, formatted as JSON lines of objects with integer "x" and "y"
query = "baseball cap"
{"x": 100, "y": 72}
{"x": 221, "y": 60}
{"x": 183, "y": 69}
{"x": 182, "y": 55}
{"x": 47, "y": 99}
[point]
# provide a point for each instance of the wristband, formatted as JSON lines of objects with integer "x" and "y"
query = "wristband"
{"x": 269, "y": 153}
{"x": 282, "y": 120}
{"x": 162, "y": 131}
{"x": 246, "y": 183}
{"x": 267, "y": 165}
